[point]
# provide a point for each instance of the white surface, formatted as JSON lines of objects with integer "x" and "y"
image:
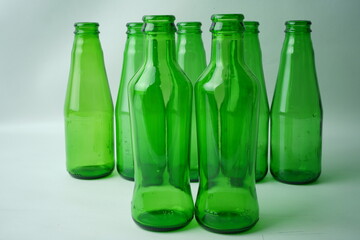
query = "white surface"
{"x": 39, "y": 200}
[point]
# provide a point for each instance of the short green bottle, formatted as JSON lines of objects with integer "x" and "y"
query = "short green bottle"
{"x": 227, "y": 111}
{"x": 132, "y": 61}
{"x": 88, "y": 108}
{"x": 192, "y": 59}
{"x": 253, "y": 60}
{"x": 296, "y": 112}
{"x": 160, "y": 97}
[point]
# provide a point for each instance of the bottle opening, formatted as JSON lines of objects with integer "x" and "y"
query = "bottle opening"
{"x": 298, "y": 26}
{"x": 86, "y": 27}
{"x": 251, "y": 26}
{"x": 189, "y": 27}
{"x": 134, "y": 28}
{"x": 159, "y": 24}
{"x": 227, "y": 23}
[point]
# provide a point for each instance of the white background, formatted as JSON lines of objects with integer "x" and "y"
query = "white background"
{"x": 39, "y": 200}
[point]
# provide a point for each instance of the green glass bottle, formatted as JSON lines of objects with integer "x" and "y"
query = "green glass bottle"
{"x": 191, "y": 58}
{"x": 160, "y": 98}
{"x": 296, "y": 112}
{"x": 88, "y": 108}
{"x": 132, "y": 61}
{"x": 227, "y": 109}
{"x": 253, "y": 60}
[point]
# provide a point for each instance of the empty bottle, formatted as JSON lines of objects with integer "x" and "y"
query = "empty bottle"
{"x": 191, "y": 58}
{"x": 296, "y": 112}
{"x": 132, "y": 61}
{"x": 88, "y": 108}
{"x": 160, "y": 98}
{"x": 227, "y": 110}
{"x": 253, "y": 60}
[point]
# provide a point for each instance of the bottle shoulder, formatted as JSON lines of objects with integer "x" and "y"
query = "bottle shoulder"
{"x": 166, "y": 77}
{"x": 226, "y": 75}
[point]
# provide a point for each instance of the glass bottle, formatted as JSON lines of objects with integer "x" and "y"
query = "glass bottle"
{"x": 296, "y": 112}
{"x": 160, "y": 98}
{"x": 253, "y": 60}
{"x": 88, "y": 108}
{"x": 132, "y": 61}
{"x": 191, "y": 58}
{"x": 227, "y": 109}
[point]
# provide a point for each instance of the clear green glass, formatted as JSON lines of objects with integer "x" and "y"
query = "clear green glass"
{"x": 160, "y": 97}
{"x": 88, "y": 108}
{"x": 296, "y": 112}
{"x": 227, "y": 110}
{"x": 253, "y": 60}
{"x": 191, "y": 58}
{"x": 132, "y": 61}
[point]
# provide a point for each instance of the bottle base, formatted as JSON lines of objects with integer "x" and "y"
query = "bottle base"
{"x": 162, "y": 220}
{"x": 90, "y": 172}
{"x": 260, "y": 176}
{"x": 194, "y": 176}
{"x": 215, "y": 223}
{"x": 295, "y": 177}
{"x": 128, "y": 175}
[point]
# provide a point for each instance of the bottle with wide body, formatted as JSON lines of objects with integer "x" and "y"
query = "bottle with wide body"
{"x": 191, "y": 58}
{"x": 296, "y": 113}
{"x": 227, "y": 108}
{"x": 88, "y": 109}
{"x": 160, "y": 105}
{"x": 132, "y": 61}
{"x": 253, "y": 59}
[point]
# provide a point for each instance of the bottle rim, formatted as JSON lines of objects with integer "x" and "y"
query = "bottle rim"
{"x": 189, "y": 27}
{"x": 227, "y": 17}
{"x": 86, "y": 28}
{"x": 298, "y": 23}
{"x": 158, "y": 18}
{"x": 251, "y": 26}
{"x": 157, "y": 24}
{"x": 298, "y": 26}
{"x": 227, "y": 23}
{"x": 134, "y": 27}
{"x": 86, "y": 24}
{"x": 189, "y": 24}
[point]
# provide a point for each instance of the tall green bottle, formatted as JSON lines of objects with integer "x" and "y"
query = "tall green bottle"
{"x": 88, "y": 108}
{"x": 227, "y": 111}
{"x": 160, "y": 98}
{"x": 253, "y": 60}
{"x": 296, "y": 112}
{"x": 191, "y": 58}
{"x": 132, "y": 61}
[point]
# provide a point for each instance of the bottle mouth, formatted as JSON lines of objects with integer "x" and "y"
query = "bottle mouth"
{"x": 86, "y": 27}
{"x": 159, "y": 24}
{"x": 227, "y": 23}
{"x": 298, "y": 26}
{"x": 189, "y": 27}
{"x": 251, "y": 26}
{"x": 134, "y": 28}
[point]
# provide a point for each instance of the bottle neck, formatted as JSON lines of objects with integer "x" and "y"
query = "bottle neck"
{"x": 252, "y": 52}
{"x": 298, "y": 43}
{"x": 160, "y": 48}
{"x": 227, "y": 48}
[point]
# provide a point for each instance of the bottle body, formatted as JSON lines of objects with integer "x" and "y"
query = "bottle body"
{"x": 227, "y": 108}
{"x": 160, "y": 110}
{"x": 191, "y": 58}
{"x": 132, "y": 61}
{"x": 296, "y": 113}
{"x": 253, "y": 60}
{"x": 88, "y": 109}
